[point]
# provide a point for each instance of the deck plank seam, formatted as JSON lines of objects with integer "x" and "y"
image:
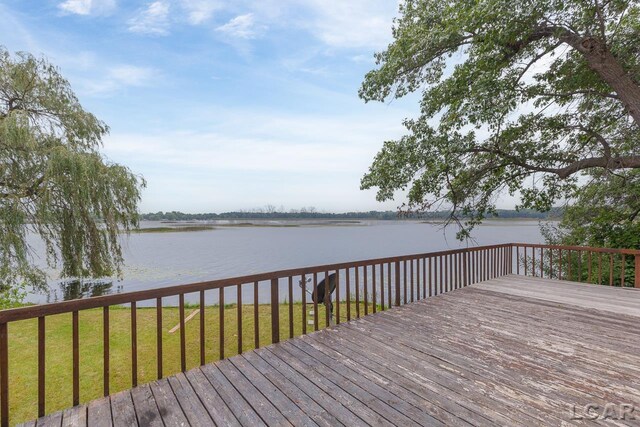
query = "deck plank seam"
{"x": 462, "y": 399}
{"x": 356, "y": 391}
{"x": 355, "y": 345}
{"x": 297, "y": 344}
{"x": 270, "y": 362}
{"x": 396, "y": 376}
{"x": 448, "y": 352}
{"x": 387, "y": 379}
{"x": 412, "y": 345}
{"x": 241, "y": 371}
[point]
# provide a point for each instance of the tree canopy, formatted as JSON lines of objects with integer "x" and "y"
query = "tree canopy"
{"x": 537, "y": 98}
{"x": 54, "y": 182}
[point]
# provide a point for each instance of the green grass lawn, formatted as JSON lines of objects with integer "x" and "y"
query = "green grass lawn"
{"x": 23, "y": 385}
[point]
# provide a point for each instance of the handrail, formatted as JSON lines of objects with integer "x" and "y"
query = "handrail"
{"x": 30, "y": 312}
{"x": 363, "y": 287}
{"x": 580, "y": 248}
{"x": 563, "y": 262}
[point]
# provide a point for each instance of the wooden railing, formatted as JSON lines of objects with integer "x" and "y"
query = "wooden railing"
{"x": 604, "y": 266}
{"x": 364, "y": 287}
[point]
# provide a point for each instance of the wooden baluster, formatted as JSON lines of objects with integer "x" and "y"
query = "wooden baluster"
{"x": 424, "y": 277}
{"x": 541, "y": 262}
{"x": 404, "y": 282}
{"x": 290, "y": 307}
{"x": 381, "y": 286}
{"x": 397, "y": 283}
{"x": 41, "y": 366}
{"x": 357, "y": 292}
{"x": 510, "y": 255}
{"x": 476, "y": 270}
{"x": 430, "y": 273}
{"x": 158, "y": 336}
{"x": 373, "y": 288}
{"x": 4, "y": 376}
{"x": 447, "y": 277}
{"x": 610, "y": 269}
{"x": 256, "y": 312}
{"x": 560, "y": 264}
{"x": 275, "y": 312}
{"x": 202, "y": 327}
{"x": 417, "y": 278}
{"x": 600, "y": 268}
{"x": 485, "y": 264}
{"x": 221, "y": 321}
{"x": 589, "y": 267}
{"x": 76, "y": 358}
{"x": 314, "y": 294}
{"x": 636, "y": 269}
{"x": 579, "y": 266}
{"x": 533, "y": 261}
{"x": 569, "y": 265}
{"x": 411, "y": 279}
{"x": 518, "y": 260}
{"x": 315, "y": 301}
{"x": 105, "y": 351}
{"x": 183, "y": 345}
{"x": 550, "y": 263}
{"x": 337, "y": 297}
{"x": 622, "y": 267}
{"x": 467, "y": 267}
{"x": 365, "y": 289}
{"x": 304, "y": 302}
{"x": 327, "y": 299}
{"x": 348, "y": 291}
{"x": 239, "y": 315}
{"x": 440, "y": 274}
{"x": 134, "y": 344}
{"x": 452, "y": 272}
{"x": 389, "y": 285}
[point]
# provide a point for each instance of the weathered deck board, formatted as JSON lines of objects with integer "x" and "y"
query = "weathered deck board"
{"x": 510, "y": 351}
{"x": 605, "y": 298}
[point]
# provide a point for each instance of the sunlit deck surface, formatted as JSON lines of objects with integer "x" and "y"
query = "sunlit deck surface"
{"x": 509, "y": 351}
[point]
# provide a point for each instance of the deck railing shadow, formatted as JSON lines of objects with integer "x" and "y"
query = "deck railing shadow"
{"x": 262, "y": 303}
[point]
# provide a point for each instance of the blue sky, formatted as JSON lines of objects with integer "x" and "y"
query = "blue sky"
{"x": 225, "y": 105}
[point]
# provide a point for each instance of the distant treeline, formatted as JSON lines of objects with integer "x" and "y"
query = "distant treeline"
{"x": 313, "y": 214}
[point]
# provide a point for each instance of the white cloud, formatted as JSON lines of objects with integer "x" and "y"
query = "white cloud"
{"x": 132, "y": 75}
{"x": 291, "y": 159}
{"x": 200, "y": 11}
{"x": 153, "y": 19}
{"x": 240, "y": 27}
{"x": 352, "y": 24}
{"x": 88, "y": 7}
{"x": 118, "y": 77}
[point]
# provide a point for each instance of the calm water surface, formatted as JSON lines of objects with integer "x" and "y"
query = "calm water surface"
{"x": 163, "y": 259}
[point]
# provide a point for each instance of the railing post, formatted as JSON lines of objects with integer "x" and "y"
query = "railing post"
{"x": 397, "y": 283}
{"x": 275, "y": 312}
{"x": 637, "y": 272}
{"x": 4, "y": 376}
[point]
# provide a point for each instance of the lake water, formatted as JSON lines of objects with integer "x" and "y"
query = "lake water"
{"x": 163, "y": 259}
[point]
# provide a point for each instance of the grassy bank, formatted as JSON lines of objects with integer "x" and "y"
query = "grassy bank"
{"x": 23, "y": 349}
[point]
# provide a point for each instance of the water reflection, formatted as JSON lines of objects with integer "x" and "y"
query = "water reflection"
{"x": 82, "y": 288}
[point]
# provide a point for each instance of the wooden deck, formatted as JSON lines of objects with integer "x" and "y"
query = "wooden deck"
{"x": 510, "y": 351}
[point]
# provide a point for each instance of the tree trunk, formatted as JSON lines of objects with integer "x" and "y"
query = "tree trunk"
{"x": 601, "y": 60}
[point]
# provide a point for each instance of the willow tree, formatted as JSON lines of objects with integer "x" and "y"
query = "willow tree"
{"x": 532, "y": 98}
{"x": 54, "y": 183}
